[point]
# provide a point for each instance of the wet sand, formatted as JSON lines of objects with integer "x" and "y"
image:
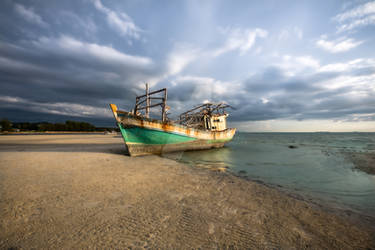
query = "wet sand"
{"x": 81, "y": 191}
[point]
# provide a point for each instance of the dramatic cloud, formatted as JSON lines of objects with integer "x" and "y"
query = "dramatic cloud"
{"x": 65, "y": 70}
{"x": 239, "y": 39}
{"x": 180, "y": 57}
{"x": 359, "y": 16}
{"x": 340, "y": 45}
{"x": 369, "y": 20}
{"x": 320, "y": 95}
{"x": 333, "y": 91}
{"x": 89, "y": 51}
{"x": 29, "y": 15}
{"x": 70, "y": 60}
{"x": 67, "y": 109}
{"x": 119, "y": 21}
{"x": 359, "y": 11}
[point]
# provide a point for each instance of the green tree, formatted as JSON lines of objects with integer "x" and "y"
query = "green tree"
{"x": 6, "y": 125}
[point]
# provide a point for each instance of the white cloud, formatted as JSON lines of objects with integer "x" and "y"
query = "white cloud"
{"x": 119, "y": 21}
{"x": 335, "y": 67}
{"x": 180, "y": 57}
{"x": 58, "y": 108}
{"x": 69, "y": 45}
{"x": 264, "y": 100}
{"x": 359, "y": 16}
{"x": 29, "y": 15}
{"x": 368, "y": 20}
{"x": 207, "y": 87}
{"x": 239, "y": 39}
{"x": 360, "y": 11}
{"x": 293, "y": 65}
{"x": 307, "y": 61}
{"x": 359, "y": 63}
{"x": 339, "y": 45}
{"x": 10, "y": 99}
{"x": 357, "y": 84}
{"x": 348, "y": 78}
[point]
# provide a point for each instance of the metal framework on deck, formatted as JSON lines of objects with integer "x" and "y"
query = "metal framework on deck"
{"x": 198, "y": 117}
{"x": 143, "y": 102}
{"x": 195, "y": 117}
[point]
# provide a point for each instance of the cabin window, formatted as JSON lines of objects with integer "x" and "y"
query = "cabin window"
{"x": 217, "y": 120}
{"x": 213, "y": 127}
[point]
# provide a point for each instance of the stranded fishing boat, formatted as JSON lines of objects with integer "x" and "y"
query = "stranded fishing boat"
{"x": 202, "y": 127}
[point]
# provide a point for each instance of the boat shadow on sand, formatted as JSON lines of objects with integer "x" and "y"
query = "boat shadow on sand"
{"x": 112, "y": 148}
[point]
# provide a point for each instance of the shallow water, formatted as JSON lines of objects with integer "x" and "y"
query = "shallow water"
{"x": 316, "y": 168}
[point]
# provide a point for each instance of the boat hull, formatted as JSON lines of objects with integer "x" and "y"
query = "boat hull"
{"x": 144, "y": 141}
{"x": 144, "y": 136}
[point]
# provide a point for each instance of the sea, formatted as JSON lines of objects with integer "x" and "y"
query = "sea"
{"x": 314, "y": 166}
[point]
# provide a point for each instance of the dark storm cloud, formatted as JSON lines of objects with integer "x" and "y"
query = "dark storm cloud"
{"x": 67, "y": 59}
{"x": 274, "y": 79}
{"x": 272, "y": 95}
{"x": 41, "y": 66}
{"x": 67, "y": 70}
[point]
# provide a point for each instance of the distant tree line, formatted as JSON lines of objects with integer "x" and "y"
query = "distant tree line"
{"x": 6, "y": 125}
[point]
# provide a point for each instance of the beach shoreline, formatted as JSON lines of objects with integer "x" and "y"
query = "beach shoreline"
{"x": 81, "y": 191}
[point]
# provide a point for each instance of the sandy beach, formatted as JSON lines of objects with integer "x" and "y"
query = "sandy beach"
{"x": 82, "y": 191}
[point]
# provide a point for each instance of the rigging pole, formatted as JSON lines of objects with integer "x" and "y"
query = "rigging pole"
{"x": 147, "y": 103}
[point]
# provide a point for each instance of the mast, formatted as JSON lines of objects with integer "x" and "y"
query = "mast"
{"x": 163, "y": 112}
{"x": 143, "y": 102}
{"x": 147, "y": 102}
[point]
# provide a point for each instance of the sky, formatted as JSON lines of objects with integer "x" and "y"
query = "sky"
{"x": 284, "y": 65}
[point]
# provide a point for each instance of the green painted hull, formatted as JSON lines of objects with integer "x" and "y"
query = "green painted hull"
{"x": 144, "y": 141}
{"x": 137, "y": 135}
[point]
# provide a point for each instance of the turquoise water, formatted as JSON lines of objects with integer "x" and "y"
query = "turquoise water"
{"x": 316, "y": 168}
